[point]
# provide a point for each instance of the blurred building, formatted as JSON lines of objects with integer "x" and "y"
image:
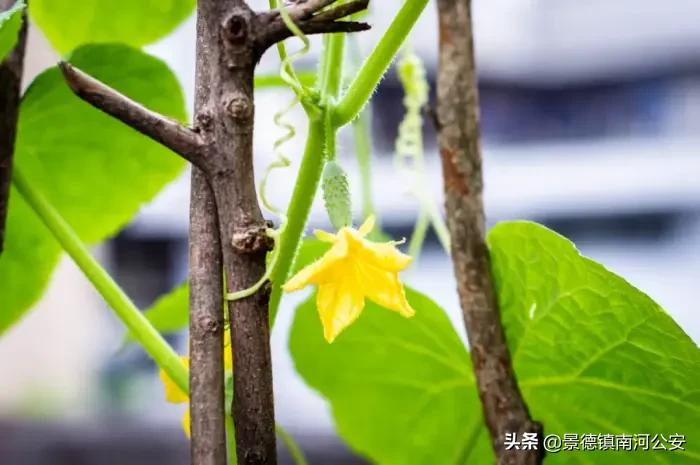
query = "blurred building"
{"x": 591, "y": 125}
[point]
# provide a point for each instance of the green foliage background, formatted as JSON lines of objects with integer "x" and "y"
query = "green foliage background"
{"x": 10, "y": 22}
{"x": 68, "y": 24}
{"x": 94, "y": 170}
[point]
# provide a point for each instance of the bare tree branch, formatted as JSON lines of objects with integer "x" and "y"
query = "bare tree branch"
{"x": 304, "y": 9}
{"x": 232, "y": 38}
{"x": 341, "y": 11}
{"x": 315, "y": 27}
{"x": 458, "y": 114}
{"x": 227, "y": 62}
{"x": 10, "y": 86}
{"x": 207, "y": 399}
{"x": 310, "y": 17}
{"x": 207, "y": 412}
{"x": 182, "y": 140}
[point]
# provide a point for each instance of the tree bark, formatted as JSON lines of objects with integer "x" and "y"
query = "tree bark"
{"x": 226, "y": 119}
{"x": 235, "y": 38}
{"x": 10, "y": 87}
{"x": 208, "y": 443}
{"x": 458, "y": 121}
{"x": 170, "y": 133}
{"x": 207, "y": 399}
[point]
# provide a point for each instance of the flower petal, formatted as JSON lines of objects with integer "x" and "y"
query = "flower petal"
{"x": 385, "y": 289}
{"x": 324, "y": 236}
{"x": 186, "y": 422}
{"x": 173, "y": 394}
{"x": 320, "y": 270}
{"x": 339, "y": 304}
{"x": 367, "y": 226}
{"x": 382, "y": 255}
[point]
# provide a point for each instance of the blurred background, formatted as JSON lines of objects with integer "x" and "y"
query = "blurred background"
{"x": 591, "y": 125}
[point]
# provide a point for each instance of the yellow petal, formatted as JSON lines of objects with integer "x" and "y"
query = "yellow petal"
{"x": 367, "y": 226}
{"x": 352, "y": 270}
{"x": 385, "y": 289}
{"x": 173, "y": 394}
{"x": 339, "y": 305}
{"x": 324, "y": 236}
{"x": 319, "y": 271}
{"x": 380, "y": 255}
{"x": 186, "y": 422}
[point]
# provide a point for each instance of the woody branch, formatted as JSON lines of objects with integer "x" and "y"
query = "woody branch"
{"x": 180, "y": 139}
{"x": 503, "y": 406}
{"x": 231, "y": 38}
{"x": 10, "y": 83}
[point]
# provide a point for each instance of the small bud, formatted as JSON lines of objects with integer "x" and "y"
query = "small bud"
{"x": 336, "y": 195}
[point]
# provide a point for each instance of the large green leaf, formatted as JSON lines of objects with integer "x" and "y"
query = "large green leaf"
{"x": 29, "y": 257}
{"x": 68, "y": 24}
{"x": 402, "y": 390}
{"x": 92, "y": 167}
{"x": 592, "y": 355}
{"x": 10, "y": 23}
{"x": 94, "y": 170}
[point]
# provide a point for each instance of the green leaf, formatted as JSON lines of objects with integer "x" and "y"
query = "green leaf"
{"x": 29, "y": 257}
{"x": 592, "y": 355}
{"x": 401, "y": 389}
{"x": 94, "y": 170}
{"x": 10, "y": 23}
{"x": 68, "y": 24}
{"x": 92, "y": 167}
{"x": 170, "y": 313}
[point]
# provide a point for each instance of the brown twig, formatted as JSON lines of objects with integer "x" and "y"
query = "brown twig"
{"x": 10, "y": 86}
{"x": 304, "y": 9}
{"x": 207, "y": 399}
{"x": 227, "y": 121}
{"x": 208, "y": 444}
{"x": 503, "y": 406}
{"x": 236, "y": 38}
{"x": 341, "y": 11}
{"x": 180, "y": 139}
{"x": 311, "y": 18}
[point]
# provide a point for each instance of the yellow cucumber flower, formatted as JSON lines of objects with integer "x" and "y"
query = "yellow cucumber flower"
{"x": 354, "y": 269}
{"x": 174, "y": 395}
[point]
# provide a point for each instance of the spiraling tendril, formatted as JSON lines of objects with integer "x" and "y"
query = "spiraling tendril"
{"x": 281, "y": 160}
{"x": 289, "y": 76}
{"x": 409, "y": 151}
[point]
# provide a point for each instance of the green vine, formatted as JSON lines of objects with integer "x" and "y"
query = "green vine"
{"x": 324, "y": 124}
{"x": 372, "y": 70}
{"x": 141, "y": 329}
{"x": 410, "y": 155}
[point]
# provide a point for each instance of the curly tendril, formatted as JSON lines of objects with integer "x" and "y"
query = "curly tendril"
{"x": 289, "y": 76}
